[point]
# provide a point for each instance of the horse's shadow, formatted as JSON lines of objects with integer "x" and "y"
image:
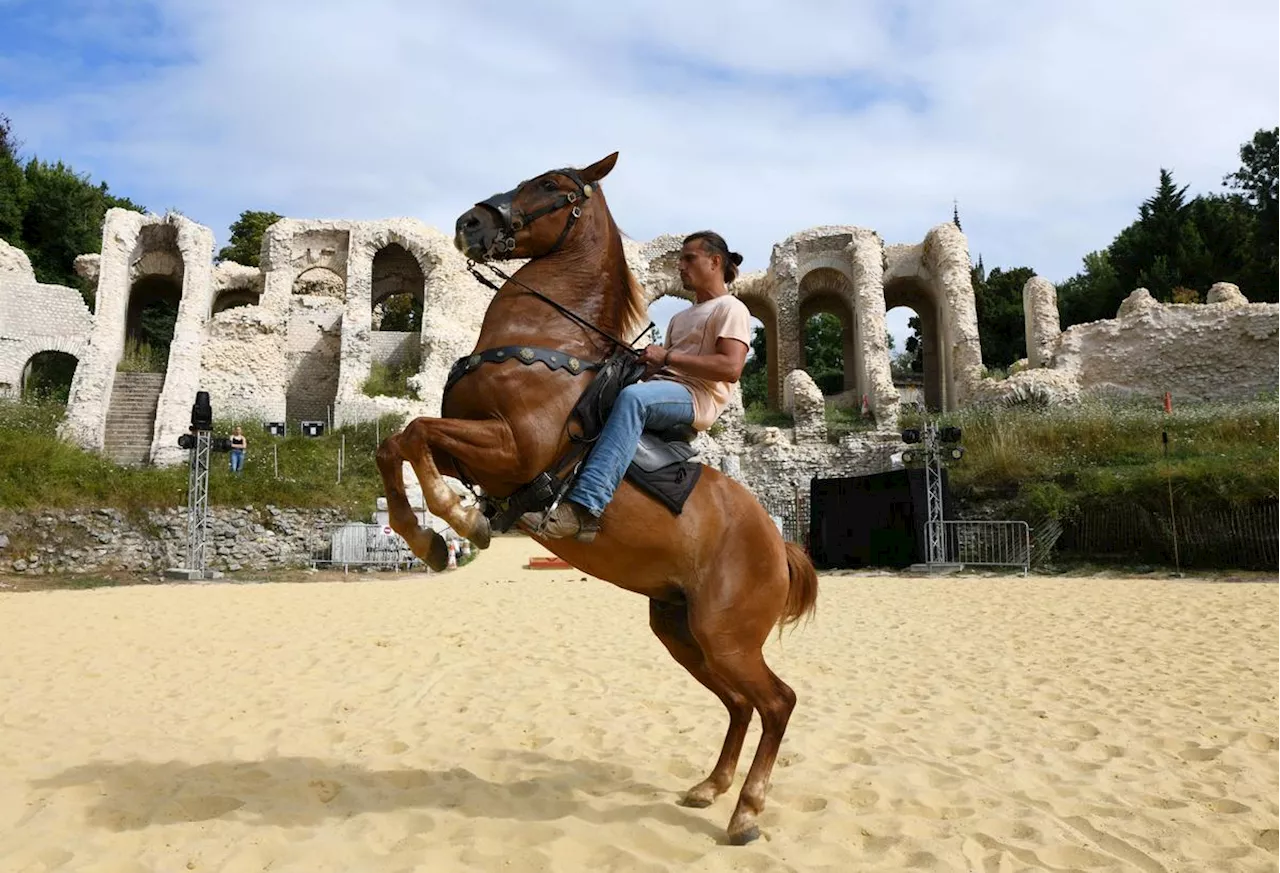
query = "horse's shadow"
{"x": 294, "y": 791}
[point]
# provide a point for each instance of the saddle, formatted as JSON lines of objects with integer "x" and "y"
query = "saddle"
{"x": 663, "y": 466}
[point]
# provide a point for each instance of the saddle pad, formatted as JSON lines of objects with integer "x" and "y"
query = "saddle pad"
{"x": 671, "y": 485}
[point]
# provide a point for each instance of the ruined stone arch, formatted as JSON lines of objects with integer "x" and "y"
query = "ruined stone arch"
{"x": 320, "y": 282}
{"x": 397, "y": 273}
{"x": 232, "y": 298}
{"x": 914, "y": 293}
{"x": 156, "y": 275}
{"x": 765, "y": 309}
{"x": 50, "y": 371}
{"x": 827, "y": 288}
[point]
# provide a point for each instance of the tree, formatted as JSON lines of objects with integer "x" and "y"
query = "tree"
{"x": 62, "y": 218}
{"x": 245, "y": 245}
{"x": 824, "y": 352}
{"x": 1256, "y": 180}
{"x": 755, "y": 372}
{"x": 13, "y": 185}
{"x": 1001, "y": 326}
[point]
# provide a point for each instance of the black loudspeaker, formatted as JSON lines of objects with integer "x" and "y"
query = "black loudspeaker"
{"x": 870, "y": 521}
{"x": 313, "y": 428}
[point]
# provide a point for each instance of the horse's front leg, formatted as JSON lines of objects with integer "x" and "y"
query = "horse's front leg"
{"x": 484, "y": 444}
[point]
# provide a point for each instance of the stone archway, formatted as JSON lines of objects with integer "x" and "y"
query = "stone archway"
{"x": 49, "y": 374}
{"x": 233, "y": 298}
{"x": 765, "y": 311}
{"x": 828, "y": 291}
{"x": 155, "y": 292}
{"x": 398, "y": 284}
{"x": 396, "y": 299}
{"x": 915, "y": 295}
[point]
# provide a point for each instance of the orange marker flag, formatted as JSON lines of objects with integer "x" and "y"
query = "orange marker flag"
{"x": 1168, "y": 402}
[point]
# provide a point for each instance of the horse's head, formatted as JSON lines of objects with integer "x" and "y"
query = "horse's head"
{"x": 534, "y": 218}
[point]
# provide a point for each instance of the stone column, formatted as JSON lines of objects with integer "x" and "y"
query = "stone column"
{"x": 356, "y": 356}
{"x": 946, "y": 256}
{"x": 1040, "y": 320}
{"x": 86, "y": 420}
{"x": 182, "y": 377}
{"x": 866, "y": 258}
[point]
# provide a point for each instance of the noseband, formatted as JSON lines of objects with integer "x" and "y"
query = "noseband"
{"x": 513, "y": 220}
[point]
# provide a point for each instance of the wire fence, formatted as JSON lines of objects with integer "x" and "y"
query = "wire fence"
{"x": 1243, "y": 537}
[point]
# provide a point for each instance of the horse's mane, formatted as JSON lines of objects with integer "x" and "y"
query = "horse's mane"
{"x": 631, "y": 313}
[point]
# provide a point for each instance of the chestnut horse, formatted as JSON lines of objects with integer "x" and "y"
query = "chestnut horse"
{"x": 719, "y": 576}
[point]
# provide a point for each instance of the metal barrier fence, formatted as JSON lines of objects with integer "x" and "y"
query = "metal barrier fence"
{"x": 791, "y": 515}
{"x": 986, "y": 543}
{"x": 354, "y": 544}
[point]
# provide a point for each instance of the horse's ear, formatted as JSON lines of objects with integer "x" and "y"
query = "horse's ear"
{"x": 599, "y": 169}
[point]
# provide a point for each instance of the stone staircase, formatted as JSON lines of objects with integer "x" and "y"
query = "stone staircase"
{"x": 131, "y": 418}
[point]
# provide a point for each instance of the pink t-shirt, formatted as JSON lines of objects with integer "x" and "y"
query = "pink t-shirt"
{"x": 694, "y": 331}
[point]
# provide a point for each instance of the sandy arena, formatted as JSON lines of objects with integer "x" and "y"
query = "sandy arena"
{"x": 497, "y": 718}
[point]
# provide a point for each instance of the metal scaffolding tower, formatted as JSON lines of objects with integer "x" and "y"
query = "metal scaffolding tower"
{"x": 198, "y": 504}
{"x": 935, "y": 532}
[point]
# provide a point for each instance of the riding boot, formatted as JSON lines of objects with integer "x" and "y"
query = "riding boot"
{"x": 568, "y": 519}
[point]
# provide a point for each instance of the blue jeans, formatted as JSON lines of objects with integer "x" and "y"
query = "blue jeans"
{"x": 237, "y": 460}
{"x": 641, "y": 406}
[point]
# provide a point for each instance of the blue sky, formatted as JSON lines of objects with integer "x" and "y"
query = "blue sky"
{"x": 1047, "y": 122}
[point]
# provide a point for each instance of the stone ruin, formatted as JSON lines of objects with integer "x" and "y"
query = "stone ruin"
{"x": 296, "y": 339}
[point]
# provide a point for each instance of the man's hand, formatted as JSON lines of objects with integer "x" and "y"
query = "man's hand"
{"x": 654, "y": 357}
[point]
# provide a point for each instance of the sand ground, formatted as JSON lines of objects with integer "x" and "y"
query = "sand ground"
{"x": 496, "y": 718}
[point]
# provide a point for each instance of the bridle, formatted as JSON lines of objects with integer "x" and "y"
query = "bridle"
{"x": 514, "y": 220}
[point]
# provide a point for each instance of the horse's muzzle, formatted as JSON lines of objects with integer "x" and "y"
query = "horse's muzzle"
{"x": 475, "y": 233}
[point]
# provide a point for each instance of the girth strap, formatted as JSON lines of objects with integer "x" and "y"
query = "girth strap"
{"x": 552, "y": 358}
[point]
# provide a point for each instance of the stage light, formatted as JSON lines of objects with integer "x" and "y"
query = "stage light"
{"x": 908, "y": 456}
{"x": 949, "y": 434}
{"x": 911, "y": 435}
{"x": 957, "y": 453}
{"x": 202, "y": 412}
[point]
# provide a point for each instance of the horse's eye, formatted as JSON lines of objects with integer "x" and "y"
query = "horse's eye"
{"x": 549, "y": 185}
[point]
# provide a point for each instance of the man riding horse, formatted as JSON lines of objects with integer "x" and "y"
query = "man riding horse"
{"x": 687, "y": 382}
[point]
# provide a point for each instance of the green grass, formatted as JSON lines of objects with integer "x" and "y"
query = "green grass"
{"x": 1057, "y": 459}
{"x": 39, "y": 470}
{"x": 392, "y": 380}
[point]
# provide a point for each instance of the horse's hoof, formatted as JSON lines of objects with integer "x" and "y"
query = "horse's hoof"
{"x": 742, "y": 837}
{"x": 437, "y": 557}
{"x": 480, "y": 532}
{"x": 695, "y": 801}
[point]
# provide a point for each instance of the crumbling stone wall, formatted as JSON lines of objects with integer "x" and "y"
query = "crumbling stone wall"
{"x": 35, "y": 318}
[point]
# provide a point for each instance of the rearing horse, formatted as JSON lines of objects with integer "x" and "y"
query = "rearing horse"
{"x": 719, "y": 576}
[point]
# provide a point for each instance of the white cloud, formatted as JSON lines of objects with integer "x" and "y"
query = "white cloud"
{"x": 1048, "y": 122}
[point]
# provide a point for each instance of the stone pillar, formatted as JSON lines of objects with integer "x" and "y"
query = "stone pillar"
{"x": 1226, "y": 294}
{"x": 86, "y": 420}
{"x": 789, "y": 345}
{"x": 356, "y": 355}
{"x": 866, "y": 259}
{"x": 182, "y": 377}
{"x": 946, "y": 256}
{"x": 802, "y": 398}
{"x": 1040, "y": 320}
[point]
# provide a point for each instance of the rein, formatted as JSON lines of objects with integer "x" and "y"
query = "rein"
{"x": 563, "y": 310}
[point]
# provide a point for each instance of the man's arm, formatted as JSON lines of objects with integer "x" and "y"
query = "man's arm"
{"x": 724, "y": 366}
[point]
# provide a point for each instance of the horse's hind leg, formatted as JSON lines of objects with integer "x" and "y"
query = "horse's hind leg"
{"x": 670, "y": 623}
{"x": 731, "y": 643}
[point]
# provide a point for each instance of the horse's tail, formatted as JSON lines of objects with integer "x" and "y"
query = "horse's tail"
{"x": 802, "y": 592}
